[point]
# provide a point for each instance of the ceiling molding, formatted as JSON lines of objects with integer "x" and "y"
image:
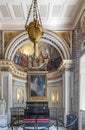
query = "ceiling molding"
{"x": 55, "y": 14}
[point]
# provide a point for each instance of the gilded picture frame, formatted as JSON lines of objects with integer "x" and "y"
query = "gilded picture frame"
{"x": 37, "y": 87}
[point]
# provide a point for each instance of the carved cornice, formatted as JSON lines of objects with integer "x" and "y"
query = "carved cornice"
{"x": 66, "y": 65}
{"x": 37, "y": 72}
{"x": 54, "y": 75}
{"x": 7, "y": 65}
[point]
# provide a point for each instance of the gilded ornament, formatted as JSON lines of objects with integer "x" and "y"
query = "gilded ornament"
{"x": 35, "y": 31}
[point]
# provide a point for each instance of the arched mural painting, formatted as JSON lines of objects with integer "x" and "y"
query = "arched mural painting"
{"x": 50, "y": 52}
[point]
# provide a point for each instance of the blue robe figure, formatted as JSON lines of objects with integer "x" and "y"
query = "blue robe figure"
{"x": 19, "y": 61}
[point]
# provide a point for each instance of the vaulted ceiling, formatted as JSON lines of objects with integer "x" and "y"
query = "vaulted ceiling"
{"x": 55, "y": 14}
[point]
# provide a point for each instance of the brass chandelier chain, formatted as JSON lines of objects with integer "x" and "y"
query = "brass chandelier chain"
{"x": 36, "y": 12}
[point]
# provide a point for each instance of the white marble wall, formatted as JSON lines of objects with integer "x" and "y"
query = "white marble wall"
{"x": 82, "y": 94}
{"x": 6, "y": 90}
{"x": 54, "y": 85}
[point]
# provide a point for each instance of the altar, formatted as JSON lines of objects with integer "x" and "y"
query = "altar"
{"x": 36, "y": 116}
{"x": 36, "y": 113}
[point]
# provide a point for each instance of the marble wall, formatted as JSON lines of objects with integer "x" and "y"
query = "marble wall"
{"x": 77, "y": 52}
{"x": 75, "y": 89}
{"x": 0, "y": 44}
{"x": 57, "y": 87}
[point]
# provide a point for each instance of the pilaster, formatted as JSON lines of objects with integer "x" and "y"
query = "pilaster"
{"x": 67, "y": 84}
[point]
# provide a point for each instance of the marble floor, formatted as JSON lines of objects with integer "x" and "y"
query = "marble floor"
{"x": 51, "y": 128}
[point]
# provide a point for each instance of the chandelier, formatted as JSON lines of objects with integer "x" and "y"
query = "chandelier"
{"x": 34, "y": 28}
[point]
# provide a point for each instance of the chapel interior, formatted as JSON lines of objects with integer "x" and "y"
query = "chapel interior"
{"x": 47, "y": 73}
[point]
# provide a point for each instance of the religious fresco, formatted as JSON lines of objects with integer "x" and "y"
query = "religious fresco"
{"x": 80, "y": 27}
{"x": 66, "y": 36}
{"x": 28, "y": 49}
{"x": 82, "y": 22}
{"x": 79, "y": 32}
{"x": 8, "y": 37}
{"x": 48, "y": 58}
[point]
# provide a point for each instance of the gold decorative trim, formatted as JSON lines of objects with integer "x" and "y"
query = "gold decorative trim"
{"x": 7, "y": 65}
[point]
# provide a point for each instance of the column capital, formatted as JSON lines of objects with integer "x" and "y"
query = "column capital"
{"x": 66, "y": 65}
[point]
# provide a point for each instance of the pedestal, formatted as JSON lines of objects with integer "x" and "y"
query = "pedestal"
{"x": 5, "y": 128}
{"x": 3, "y": 122}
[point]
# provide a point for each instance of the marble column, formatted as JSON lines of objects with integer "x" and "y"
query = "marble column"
{"x": 1, "y": 85}
{"x": 67, "y": 84}
{"x": 6, "y": 89}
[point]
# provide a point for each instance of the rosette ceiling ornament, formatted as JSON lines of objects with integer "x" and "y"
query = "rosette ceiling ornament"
{"x": 34, "y": 28}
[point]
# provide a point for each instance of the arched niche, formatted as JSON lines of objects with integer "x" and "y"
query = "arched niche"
{"x": 48, "y": 37}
